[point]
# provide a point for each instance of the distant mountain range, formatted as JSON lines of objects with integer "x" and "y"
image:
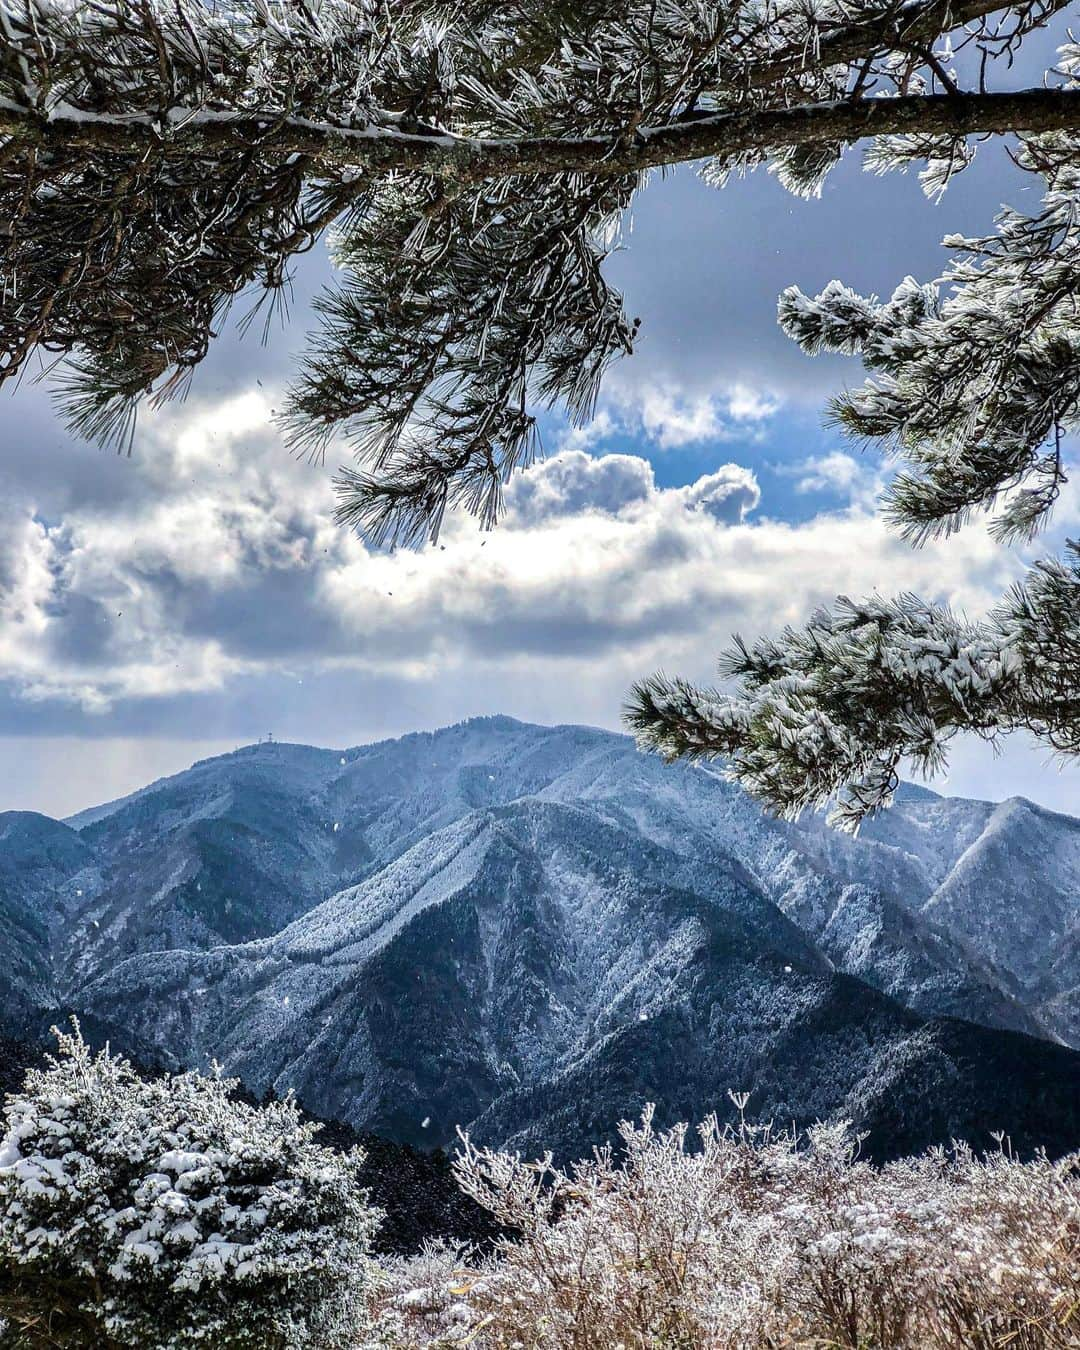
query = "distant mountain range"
{"x": 529, "y": 931}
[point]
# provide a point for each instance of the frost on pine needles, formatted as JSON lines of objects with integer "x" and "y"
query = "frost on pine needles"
{"x": 974, "y": 388}
{"x": 164, "y": 1212}
{"x": 829, "y": 710}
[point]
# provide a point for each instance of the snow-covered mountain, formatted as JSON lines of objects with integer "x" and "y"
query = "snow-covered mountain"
{"x": 44, "y": 868}
{"x": 532, "y": 930}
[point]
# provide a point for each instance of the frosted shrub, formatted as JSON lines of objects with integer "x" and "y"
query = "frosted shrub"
{"x": 758, "y": 1239}
{"x": 164, "y": 1213}
{"x": 423, "y": 1299}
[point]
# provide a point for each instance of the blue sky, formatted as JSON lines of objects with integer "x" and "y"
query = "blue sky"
{"x": 197, "y": 596}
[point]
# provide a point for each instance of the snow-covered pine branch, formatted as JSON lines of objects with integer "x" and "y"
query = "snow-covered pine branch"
{"x": 157, "y": 159}
{"x": 165, "y": 1212}
{"x": 832, "y": 709}
{"x": 974, "y": 388}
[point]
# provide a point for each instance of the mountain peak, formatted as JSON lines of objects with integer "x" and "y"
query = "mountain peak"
{"x": 535, "y": 929}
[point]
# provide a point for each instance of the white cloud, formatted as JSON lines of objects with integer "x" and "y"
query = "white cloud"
{"x": 857, "y": 479}
{"x": 672, "y": 421}
{"x": 834, "y": 472}
{"x": 599, "y": 429}
{"x": 728, "y": 495}
{"x": 216, "y": 582}
{"x": 573, "y": 482}
{"x": 222, "y": 563}
{"x": 672, "y": 418}
{"x": 746, "y": 404}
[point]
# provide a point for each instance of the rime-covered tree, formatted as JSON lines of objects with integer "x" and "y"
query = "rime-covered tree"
{"x": 166, "y": 1213}
{"x": 748, "y": 1236}
{"x": 471, "y": 163}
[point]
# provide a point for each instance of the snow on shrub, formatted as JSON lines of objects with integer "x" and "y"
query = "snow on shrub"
{"x": 165, "y": 1213}
{"x": 754, "y": 1239}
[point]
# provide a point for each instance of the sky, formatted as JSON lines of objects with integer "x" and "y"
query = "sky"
{"x": 197, "y": 595}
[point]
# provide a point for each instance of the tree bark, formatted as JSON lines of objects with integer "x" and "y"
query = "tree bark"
{"x": 334, "y": 149}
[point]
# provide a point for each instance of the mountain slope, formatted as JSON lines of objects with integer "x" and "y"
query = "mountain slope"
{"x": 44, "y": 869}
{"x": 494, "y": 947}
{"x": 239, "y": 845}
{"x": 533, "y": 974}
{"x": 859, "y": 899}
{"x": 532, "y": 929}
{"x": 1032, "y": 927}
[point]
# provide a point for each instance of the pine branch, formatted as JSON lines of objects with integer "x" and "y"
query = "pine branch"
{"x": 895, "y": 27}
{"x": 831, "y": 711}
{"x": 333, "y": 148}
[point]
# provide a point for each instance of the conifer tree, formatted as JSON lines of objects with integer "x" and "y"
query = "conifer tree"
{"x": 470, "y": 163}
{"x": 165, "y": 1213}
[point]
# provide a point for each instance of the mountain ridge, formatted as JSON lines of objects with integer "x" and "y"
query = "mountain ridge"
{"x": 283, "y": 909}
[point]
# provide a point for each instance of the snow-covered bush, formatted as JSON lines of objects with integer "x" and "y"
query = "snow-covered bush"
{"x": 759, "y": 1239}
{"x": 423, "y": 1299}
{"x": 165, "y": 1213}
